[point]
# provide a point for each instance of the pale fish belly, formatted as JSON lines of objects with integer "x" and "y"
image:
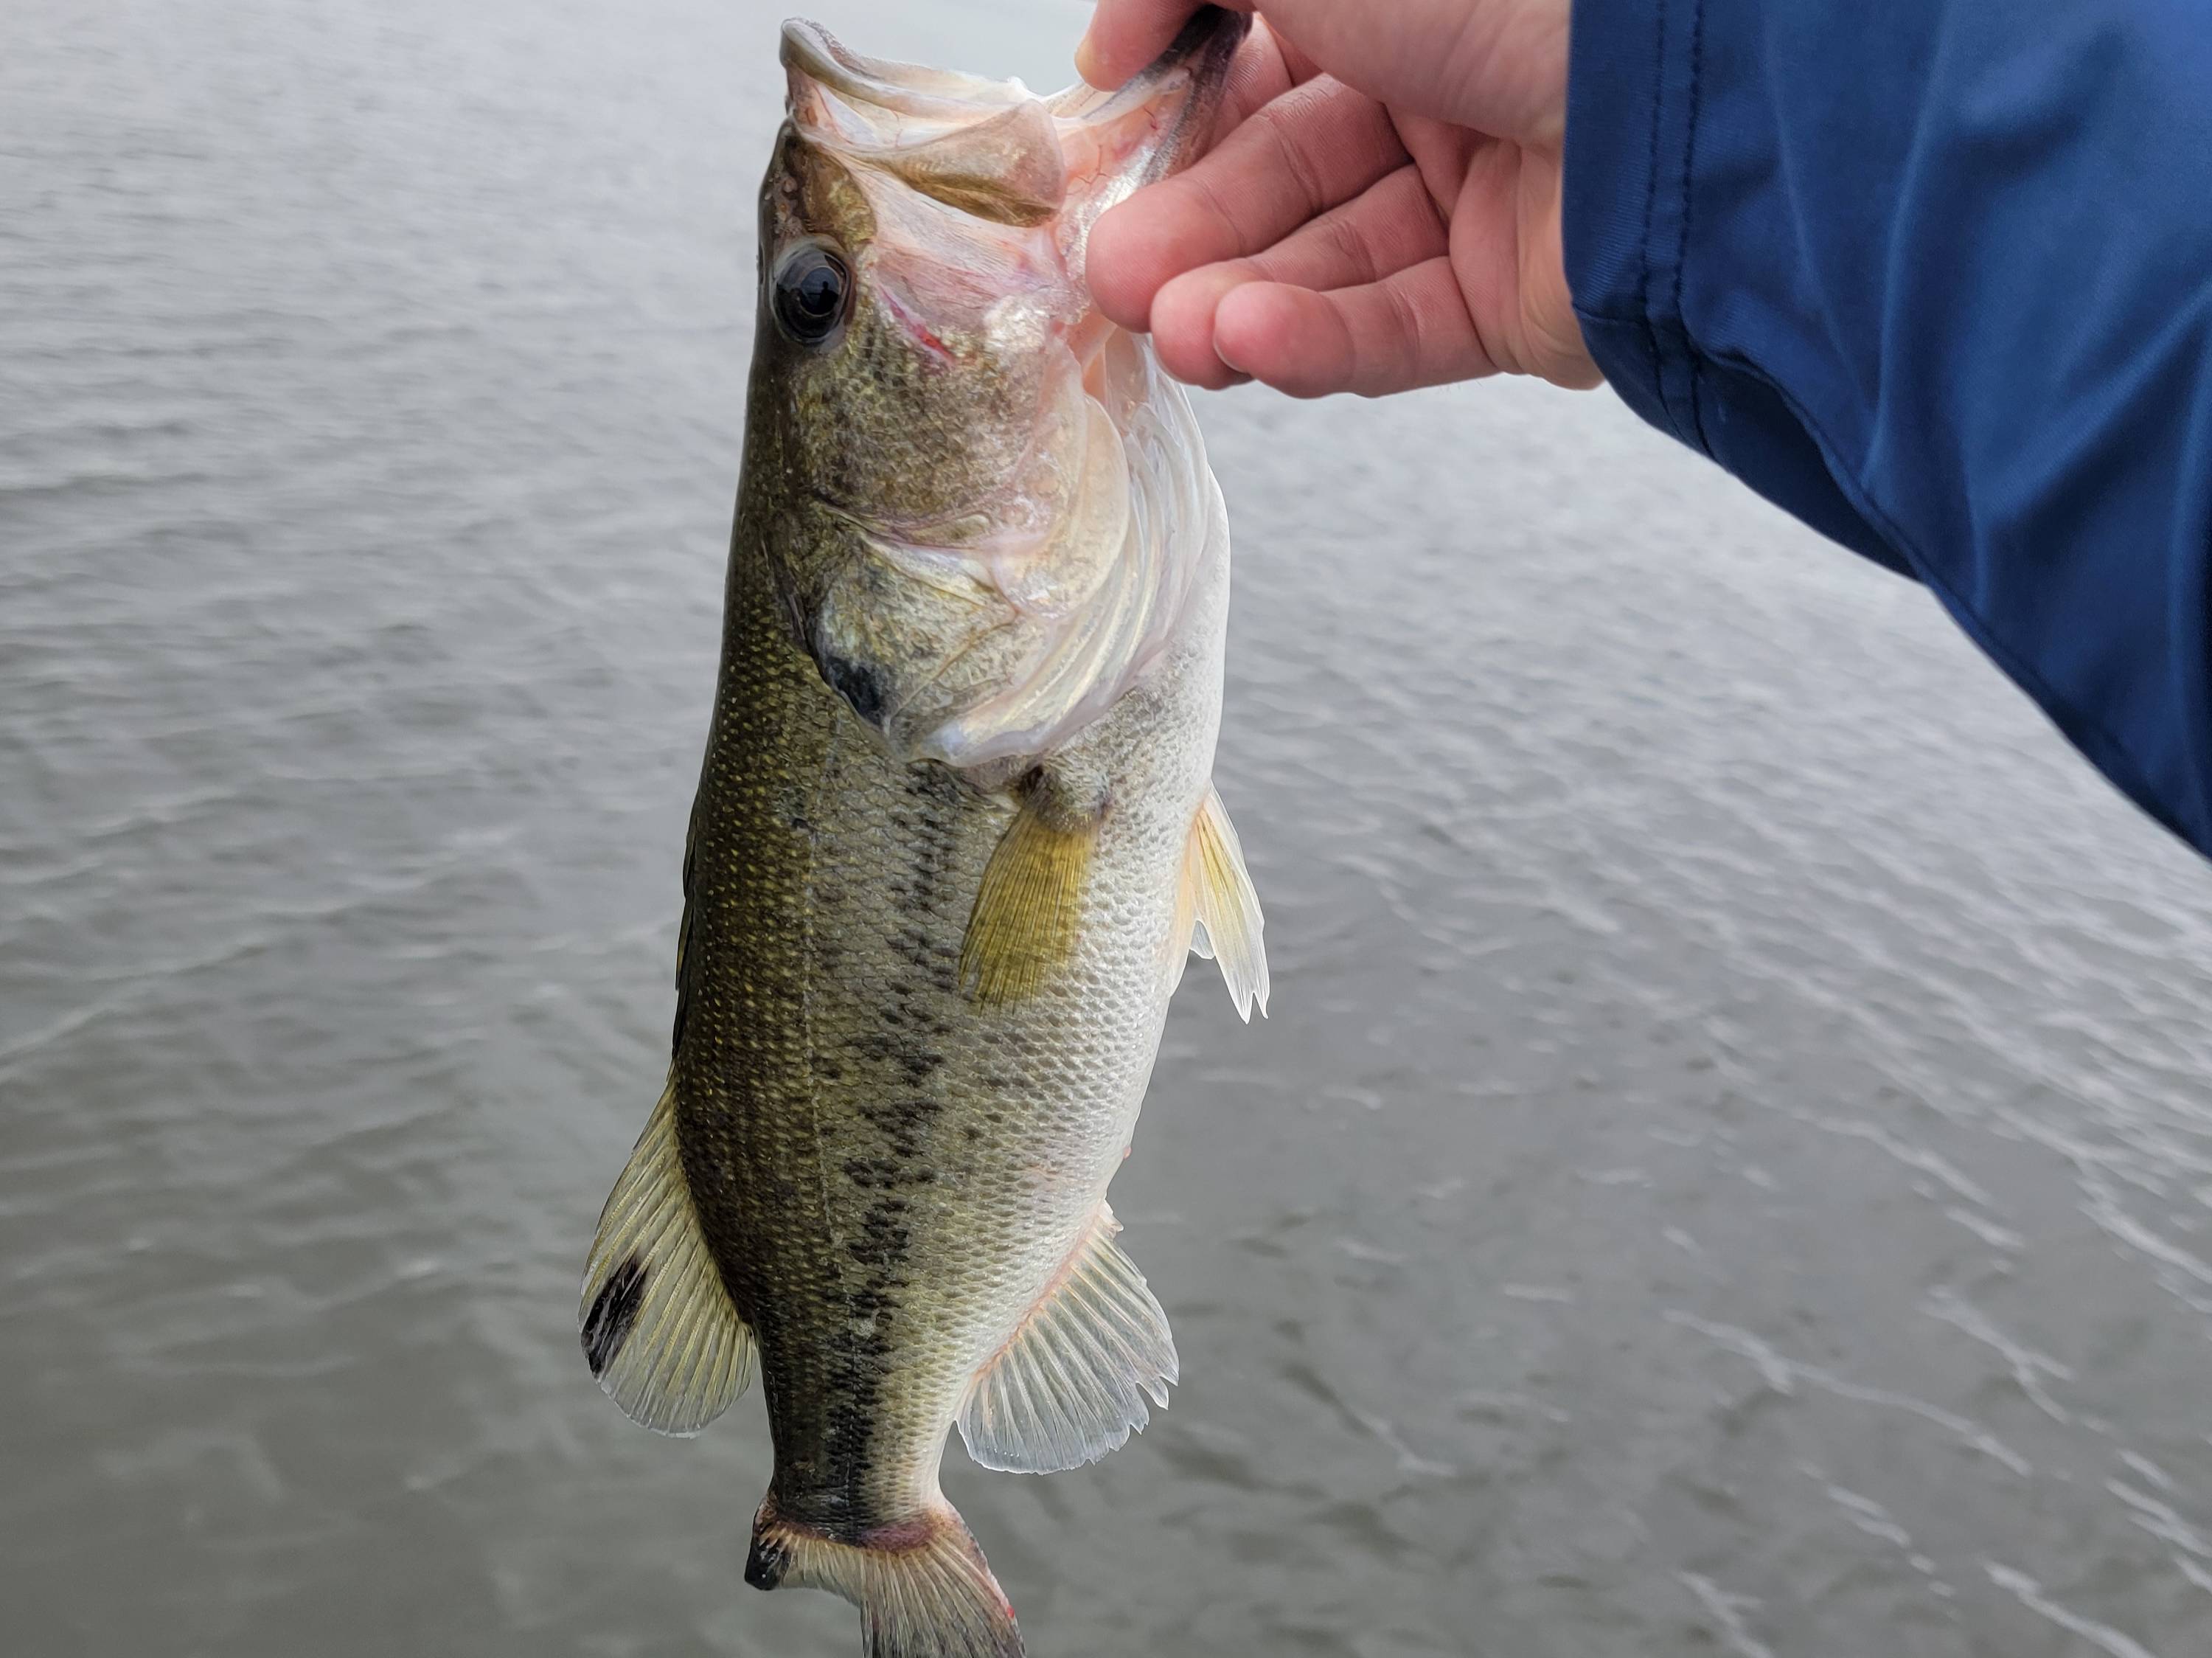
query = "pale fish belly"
{"x": 872, "y": 1175}
{"x": 961, "y": 1153}
{"x": 887, "y": 1187}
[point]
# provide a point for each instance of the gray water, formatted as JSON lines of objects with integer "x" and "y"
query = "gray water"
{"x": 1729, "y": 1172}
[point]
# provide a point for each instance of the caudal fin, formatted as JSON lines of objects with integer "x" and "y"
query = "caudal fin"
{"x": 921, "y": 1584}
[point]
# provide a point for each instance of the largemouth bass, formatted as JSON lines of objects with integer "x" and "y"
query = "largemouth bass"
{"x": 955, "y": 837}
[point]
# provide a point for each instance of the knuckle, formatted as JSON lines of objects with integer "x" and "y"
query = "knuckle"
{"x": 1352, "y": 246}
{"x": 1408, "y": 327}
{"x": 1286, "y": 124}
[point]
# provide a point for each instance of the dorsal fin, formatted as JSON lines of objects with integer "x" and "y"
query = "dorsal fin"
{"x": 1070, "y": 1384}
{"x": 657, "y": 1326}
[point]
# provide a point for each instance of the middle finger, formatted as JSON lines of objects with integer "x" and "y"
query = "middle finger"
{"x": 1391, "y": 225}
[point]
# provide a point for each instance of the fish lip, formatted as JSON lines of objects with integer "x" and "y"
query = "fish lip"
{"x": 1210, "y": 39}
{"x": 1202, "y": 51}
{"x": 812, "y": 50}
{"x": 1211, "y": 29}
{"x": 1177, "y": 98}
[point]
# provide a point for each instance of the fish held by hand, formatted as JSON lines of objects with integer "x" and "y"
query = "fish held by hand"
{"x": 955, "y": 837}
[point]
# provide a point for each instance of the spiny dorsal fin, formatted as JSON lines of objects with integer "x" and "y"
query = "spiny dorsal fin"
{"x": 1029, "y": 903}
{"x": 657, "y": 1328}
{"x": 1071, "y": 1384}
{"x": 1218, "y": 910}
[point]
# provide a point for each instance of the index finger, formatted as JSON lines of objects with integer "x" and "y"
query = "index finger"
{"x": 1300, "y": 155}
{"x": 1125, "y": 35}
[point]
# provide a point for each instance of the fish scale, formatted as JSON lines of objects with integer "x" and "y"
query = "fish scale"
{"x": 927, "y": 956}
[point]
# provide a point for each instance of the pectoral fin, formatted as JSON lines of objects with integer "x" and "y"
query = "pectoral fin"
{"x": 657, "y": 1328}
{"x": 1071, "y": 1384}
{"x": 1030, "y": 902}
{"x": 1218, "y": 912}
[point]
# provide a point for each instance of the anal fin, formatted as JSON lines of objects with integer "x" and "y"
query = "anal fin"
{"x": 1071, "y": 1384}
{"x": 657, "y": 1326}
{"x": 1218, "y": 912}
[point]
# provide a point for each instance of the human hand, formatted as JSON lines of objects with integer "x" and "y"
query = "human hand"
{"x": 1380, "y": 209}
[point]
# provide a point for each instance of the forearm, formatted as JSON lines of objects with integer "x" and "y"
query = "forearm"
{"x": 1937, "y": 276}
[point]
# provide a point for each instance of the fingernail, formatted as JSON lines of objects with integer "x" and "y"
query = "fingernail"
{"x": 1231, "y": 362}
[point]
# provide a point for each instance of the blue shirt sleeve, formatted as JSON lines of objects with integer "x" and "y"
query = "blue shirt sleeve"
{"x": 1935, "y": 276}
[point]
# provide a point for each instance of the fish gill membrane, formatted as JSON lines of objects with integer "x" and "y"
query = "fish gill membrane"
{"x": 1011, "y": 511}
{"x": 955, "y": 839}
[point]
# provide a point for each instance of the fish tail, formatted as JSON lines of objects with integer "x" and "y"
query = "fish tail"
{"x": 922, "y": 1584}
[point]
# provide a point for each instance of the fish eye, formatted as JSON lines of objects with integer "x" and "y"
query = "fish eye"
{"x": 809, "y": 294}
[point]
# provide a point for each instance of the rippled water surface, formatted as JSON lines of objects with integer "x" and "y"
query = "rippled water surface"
{"x": 1730, "y": 1171}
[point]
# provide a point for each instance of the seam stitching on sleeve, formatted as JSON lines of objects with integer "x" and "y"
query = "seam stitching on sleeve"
{"x": 1650, "y": 201}
{"x": 1682, "y": 233}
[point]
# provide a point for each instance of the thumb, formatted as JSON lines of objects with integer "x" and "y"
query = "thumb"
{"x": 1125, "y": 35}
{"x": 1498, "y": 66}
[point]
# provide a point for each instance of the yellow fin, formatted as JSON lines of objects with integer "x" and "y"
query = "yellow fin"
{"x": 657, "y": 1328}
{"x": 1070, "y": 1384}
{"x": 1023, "y": 924}
{"x": 1220, "y": 910}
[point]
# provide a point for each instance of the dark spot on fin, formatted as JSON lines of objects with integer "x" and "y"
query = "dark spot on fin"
{"x": 767, "y": 1560}
{"x": 655, "y": 1317}
{"x": 922, "y": 1586}
{"x": 607, "y": 1326}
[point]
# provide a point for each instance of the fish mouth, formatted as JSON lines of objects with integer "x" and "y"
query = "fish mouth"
{"x": 1203, "y": 50}
{"x": 996, "y": 148}
{"x": 1195, "y": 63}
{"x": 992, "y": 649}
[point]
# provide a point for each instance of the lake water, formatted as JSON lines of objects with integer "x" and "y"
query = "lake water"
{"x": 1730, "y": 1170}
